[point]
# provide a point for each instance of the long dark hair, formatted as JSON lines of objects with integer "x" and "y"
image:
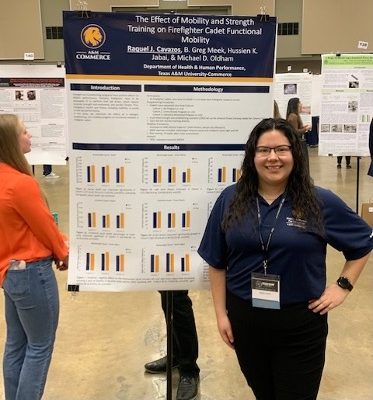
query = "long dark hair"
{"x": 300, "y": 189}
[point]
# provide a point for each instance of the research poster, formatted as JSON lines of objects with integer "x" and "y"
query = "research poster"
{"x": 37, "y": 94}
{"x": 159, "y": 107}
{"x": 291, "y": 85}
{"x": 346, "y": 104}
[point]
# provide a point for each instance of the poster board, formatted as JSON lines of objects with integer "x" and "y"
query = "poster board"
{"x": 37, "y": 94}
{"x": 346, "y": 104}
{"x": 160, "y": 107}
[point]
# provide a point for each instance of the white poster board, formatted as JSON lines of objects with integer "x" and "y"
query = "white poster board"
{"x": 36, "y": 93}
{"x": 158, "y": 120}
{"x": 346, "y": 104}
{"x": 291, "y": 85}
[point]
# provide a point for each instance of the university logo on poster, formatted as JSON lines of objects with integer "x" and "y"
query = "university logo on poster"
{"x": 93, "y": 36}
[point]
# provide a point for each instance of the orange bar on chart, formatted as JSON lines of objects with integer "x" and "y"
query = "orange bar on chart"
{"x": 159, "y": 174}
{"x": 187, "y": 263}
{"x": 107, "y": 261}
{"x": 93, "y": 173}
{"x": 188, "y": 175}
{"x": 92, "y": 262}
{"x": 107, "y": 174}
{"x": 121, "y": 265}
{"x": 172, "y": 262}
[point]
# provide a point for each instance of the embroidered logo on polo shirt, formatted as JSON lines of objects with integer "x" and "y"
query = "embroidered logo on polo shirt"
{"x": 297, "y": 222}
{"x": 371, "y": 235}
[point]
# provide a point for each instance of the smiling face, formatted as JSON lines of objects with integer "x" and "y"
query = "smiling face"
{"x": 24, "y": 138}
{"x": 273, "y": 169}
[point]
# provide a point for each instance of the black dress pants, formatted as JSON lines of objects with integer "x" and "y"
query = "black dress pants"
{"x": 281, "y": 352}
{"x": 185, "y": 340}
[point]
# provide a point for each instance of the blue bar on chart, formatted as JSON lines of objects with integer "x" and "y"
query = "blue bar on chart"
{"x": 154, "y": 263}
{"x": 172, "y": 175}
{"x": 222, "y": 175}
{"x": 157, "y": 220}
{"x": 119, "y": 263}
{"x": 90, "y": 262}
{"x": 119, "y": 175}
{"x": 186, "y": 175}
{"x": 120, "y": 221}
{"x": 105, "y": 261}
{"x": 106, "y": 221}
{"x": 92, "y": 222}
{"x": 157, "y": 175}
{"x": 236, "y": 174}
{"x": 171, "y": 220}
{"x": 185, "y": 219}
{"x": 91, "y": 174}
{"x": 170, "y": 262}
{"x": 185, "y": 263}
{"x": 105, "y": 174}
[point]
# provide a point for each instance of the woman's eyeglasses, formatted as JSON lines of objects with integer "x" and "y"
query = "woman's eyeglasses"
{"x": 264, "y": 151}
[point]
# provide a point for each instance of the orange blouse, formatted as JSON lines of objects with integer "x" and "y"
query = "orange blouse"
{"x": 27, "y": 229}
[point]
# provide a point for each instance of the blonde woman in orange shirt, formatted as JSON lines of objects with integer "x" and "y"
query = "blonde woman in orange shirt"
{"x": 30, "y": 241}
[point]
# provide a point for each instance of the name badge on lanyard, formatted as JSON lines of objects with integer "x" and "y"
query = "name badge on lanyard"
{"x": 265, "y": 290}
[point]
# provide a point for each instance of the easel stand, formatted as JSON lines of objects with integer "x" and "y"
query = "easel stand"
{"x": 169, "y": 327}
{"x": 357, "y": 183}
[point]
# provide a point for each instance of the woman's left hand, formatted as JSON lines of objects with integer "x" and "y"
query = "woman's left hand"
{"x": 332, "y": 297}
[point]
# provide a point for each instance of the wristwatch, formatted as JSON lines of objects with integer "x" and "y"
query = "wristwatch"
{"x": 344, "y": 283}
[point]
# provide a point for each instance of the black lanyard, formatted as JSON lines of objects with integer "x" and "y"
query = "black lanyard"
{"x": 265, "y": 247}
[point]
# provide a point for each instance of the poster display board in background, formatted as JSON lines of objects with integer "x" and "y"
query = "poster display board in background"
{"x": 346, "y": 104}
{"x": 291, "y": 85}
{"x": 36, "y": 93}
{"x": 160, "y": 107}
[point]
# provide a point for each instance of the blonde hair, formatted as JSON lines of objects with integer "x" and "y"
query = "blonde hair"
{"x": 10, "y": 149}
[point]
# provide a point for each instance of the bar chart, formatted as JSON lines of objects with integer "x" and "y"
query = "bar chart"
{"x": 165, "y": 219}
{"x": 97, "y": 220}
{"x": 224, "y": 171}
{"x": 169, "y": 262}
{"x": 171, "y": 175}
{"x": 174, "y": 171}
{"x": 104, "y": 261}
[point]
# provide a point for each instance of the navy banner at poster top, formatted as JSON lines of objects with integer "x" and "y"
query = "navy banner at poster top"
{"x": 169, "y": 45}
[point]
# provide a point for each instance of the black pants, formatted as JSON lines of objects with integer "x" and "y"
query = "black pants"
{"x": 348, "y": 160}
{"x": 281, "y": 352}
{"x": 185, "y": 340}
{"x": 47, "y": 169}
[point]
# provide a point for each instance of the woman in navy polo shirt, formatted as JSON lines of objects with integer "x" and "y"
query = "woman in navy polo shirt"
{"x": 265, "y": 242}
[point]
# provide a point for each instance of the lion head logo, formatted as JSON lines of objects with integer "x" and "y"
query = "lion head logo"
{"x": 93, "y": 36}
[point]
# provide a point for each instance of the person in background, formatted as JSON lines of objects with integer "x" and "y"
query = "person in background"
{"x": 348, "y": 162}
{"x": 265, "y": 243}
{"x": 48, "y": 173}
{"x": 30, "y": 241}
{"x": 293, "y": 117}
{"x": 276, "y": 111}
{"x": 185, "y": 346}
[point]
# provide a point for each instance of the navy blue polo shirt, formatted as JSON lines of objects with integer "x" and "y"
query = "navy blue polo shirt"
{"x": 297, "y": 255}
